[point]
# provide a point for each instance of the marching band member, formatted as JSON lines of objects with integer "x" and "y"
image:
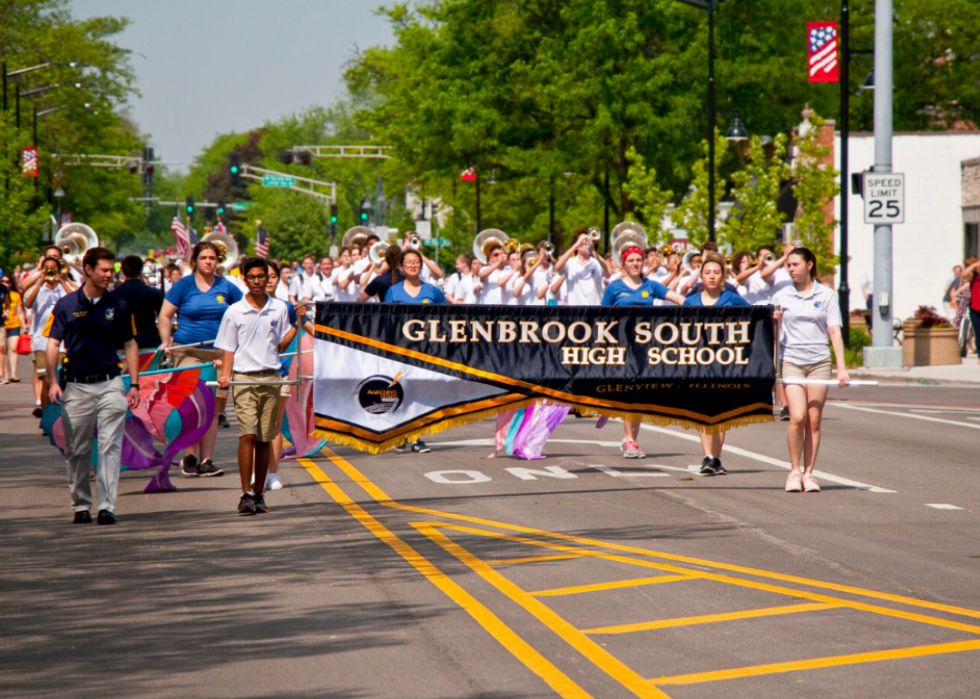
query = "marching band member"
{"x": 377, "y": 289}
{"x": 413, "y": 290}
{"x": 252, "y": 334}
{"x": 301, "y": 287}
{"x": 809, "y": 317}
{"x": 470, "y": 283}
{"x": 489, "y": 291}
{"x": 508, "y": 280}
{"x": 346, "y": 286}
{"x": 714, "y": 293}
{"x": 634, "y": 290}
{"x": 48, "y": 287}
{"x": 200, "y": 302}
{"x": 524, "y": 290}
{"x": 455, "y": 280}
{"x": 757, "y": 291}
{"x": 583, "y": 270}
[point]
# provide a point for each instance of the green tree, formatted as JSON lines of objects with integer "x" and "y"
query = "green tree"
{"x": 816, "y": 186}
{"x": 692, "y": 213}
{"x": 755, "y": 219}
{"x": 651, "y": 201}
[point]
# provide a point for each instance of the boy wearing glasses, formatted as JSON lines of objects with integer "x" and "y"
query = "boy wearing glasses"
{"x": 252, "y": 334}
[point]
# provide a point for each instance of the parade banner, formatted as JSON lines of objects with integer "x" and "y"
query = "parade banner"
{"x": 385, "y": 373}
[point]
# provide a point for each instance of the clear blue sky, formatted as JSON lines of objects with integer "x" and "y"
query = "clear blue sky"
{"x": 212, "y": 66}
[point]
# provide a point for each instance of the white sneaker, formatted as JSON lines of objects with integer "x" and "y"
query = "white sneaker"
{"x": 272, "y": 482}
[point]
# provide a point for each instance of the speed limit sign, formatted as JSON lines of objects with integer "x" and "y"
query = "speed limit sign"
{"x": 884, "y": 197}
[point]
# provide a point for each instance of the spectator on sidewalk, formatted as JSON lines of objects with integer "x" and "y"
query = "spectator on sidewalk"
{"x": 952, "y": 284}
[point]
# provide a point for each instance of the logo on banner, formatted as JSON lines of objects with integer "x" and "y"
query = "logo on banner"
{"x": 28, "y": 162}
{"x": 380, "y": 395}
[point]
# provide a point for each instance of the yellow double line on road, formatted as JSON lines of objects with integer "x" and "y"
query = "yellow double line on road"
{"x": 579, "y": 638}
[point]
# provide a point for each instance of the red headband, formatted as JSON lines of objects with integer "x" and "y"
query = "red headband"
{"x": 629, "y": 251}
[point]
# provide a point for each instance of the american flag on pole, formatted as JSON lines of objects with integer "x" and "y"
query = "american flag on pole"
{"x": 183, "y": 240}
{"x": 822, "y": 50}
{"x": 221, "y": 227}
{"x": 261, "y": 242}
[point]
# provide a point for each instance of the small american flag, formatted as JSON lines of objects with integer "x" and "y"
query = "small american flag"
{"x": 822, "y": 50}
{"x": 261, "y": 242}
{"x": 221, "y": 227}
{"x": 193, "y": 235}
{"x": 183, "y": 240}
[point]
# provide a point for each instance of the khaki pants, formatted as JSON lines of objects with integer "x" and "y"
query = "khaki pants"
{"x": 256, "y": 407}
{"x": 85, "y": 407}
{"x": 191, "y": 356}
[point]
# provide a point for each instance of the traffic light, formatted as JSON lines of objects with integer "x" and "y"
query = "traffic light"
{"x": 147, "y": 168}
{"x": 133, "y": 168}
{"x": 234, "y": 168}
{"x": 190, "y": 205}
{"x": 286, "y": 157}
{"x": 221, "y": 207}
{"x": 333, "y": 214}
{"x": 303, "y": 157}
{"x": 364, "y": 216}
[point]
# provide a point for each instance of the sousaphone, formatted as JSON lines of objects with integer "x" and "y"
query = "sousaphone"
{"x": 356, "y": 237}
{"x": 487, "y": 240}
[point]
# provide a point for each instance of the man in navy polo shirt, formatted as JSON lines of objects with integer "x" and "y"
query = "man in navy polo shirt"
{"x": 93, "y": 323}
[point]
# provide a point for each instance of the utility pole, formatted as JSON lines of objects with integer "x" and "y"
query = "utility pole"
{"x": 712, "y": 117}
{"x": 844, "y": 291}
{"x": 882, "y": 353}
{"x": 605, "y": 217}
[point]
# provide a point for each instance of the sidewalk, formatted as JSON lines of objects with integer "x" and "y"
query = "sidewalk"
{"x": 950, "y": 375}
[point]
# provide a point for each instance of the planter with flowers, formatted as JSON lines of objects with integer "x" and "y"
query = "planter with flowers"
{"x": 929, "y": 339}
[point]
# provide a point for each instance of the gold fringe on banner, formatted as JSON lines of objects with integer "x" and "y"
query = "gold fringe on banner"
{"x": 349, "y": 440}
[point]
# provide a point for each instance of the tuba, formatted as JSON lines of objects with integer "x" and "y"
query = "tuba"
{"x": 377, "y": 252}
{"x": 487, "y": 240}
{"x": 74, "y": 240}
{"x": 227, "y": 249}
{"x": 629, "y": 239}
{"x": 356, "y": 237}
{"x": 687, "y": 262}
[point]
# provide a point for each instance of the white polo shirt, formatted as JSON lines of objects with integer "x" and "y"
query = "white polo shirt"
{"x": 780, "y": 280}
{"x": 583, "y": 281}
{"x": 805, "y": 339}
{"x": 492, "y": 292}
{"x": 301, "y": 286}
{"x": 352, "y": 291}
{"x": 254, "y": 334}
{"x": 43, "y": 305}
{"x": 540, "y": 278}
{"x": 452, "y": 285}
{"x": 757, "y": 292}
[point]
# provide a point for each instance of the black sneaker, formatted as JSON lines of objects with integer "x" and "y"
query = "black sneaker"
{"x": 403, "y": 448}
{"x": 223, "y": 421}
{"x": 106, "y": 517}
{"x": 189, "y": 466}
{"x": 260, "y": 506}
{"x": 82, "y": 517}
{"x": 246, "y": 506}
{"x": 784, "y": 413}
{"x": 206, "y": 469}
{"x": 37, "y": 412}
{"x": 719, "y": 469}
{"x": 419, "y": 447}
{"x": 708, "y": 466}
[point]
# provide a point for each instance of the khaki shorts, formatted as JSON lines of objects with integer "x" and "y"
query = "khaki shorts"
{"x": 257, "y": 406}
{"x": 192, "y": 356}
{"x": 41, "y": 361}
{"x": 820, "y": 370}
{"x": 285, "y": 391}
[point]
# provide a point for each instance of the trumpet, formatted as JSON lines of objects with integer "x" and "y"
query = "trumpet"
{"x": 51, "y": 275}
{"x": 768, "y": 258}
{"x": 532, "y": 262}
{"x": 377, "y": 252}
{"x": 595, "y": 235}
{"x": 547, "y": 248}
{"x": 728, "y": 260}
{"x": 512, "y": 245}
{"x": 414, "y": 241}
{"x": 665, "y": 251}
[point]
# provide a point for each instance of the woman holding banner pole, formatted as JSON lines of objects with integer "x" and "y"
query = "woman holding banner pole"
{"x": 713, "y": 271}
{"x": 199, "y": 301}
{"x": 809, "y": 317}
{"x": 634, "y": 290}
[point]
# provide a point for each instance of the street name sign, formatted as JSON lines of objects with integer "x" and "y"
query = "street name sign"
{"x": 437, "y": 242}
{"x": 884, "y": 197}
{"x": 278, "y": 181}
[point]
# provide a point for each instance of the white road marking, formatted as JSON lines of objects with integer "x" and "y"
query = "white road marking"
{"x": 531, "y": 474}
{"x": 942, "y": 506}
{"x": 908, "y": 415}
{"x": 490, "y": 442}
{"x": 875, "y": 404}
{"x": 610, "y": 471}
{"x": 471, "y": 476}
{"x": 774, "y": 462}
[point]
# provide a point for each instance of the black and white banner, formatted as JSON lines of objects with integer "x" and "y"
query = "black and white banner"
{"x": 384, "y": 373}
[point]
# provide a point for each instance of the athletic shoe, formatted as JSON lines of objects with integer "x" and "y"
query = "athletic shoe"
{"x": 106, "y": 517}
{"x": 708, "y": 466}
{"x": 784, "y": 413}
{"x": 631, "y": 450}
{"x": 419, "y": 447}
{"x": 82, "y": 517}
{"x": 37, "y": 412}
{"x": 794, "y": 482}
{"x": 622, "y": 445}
{"x": 810, "y": 484}
{"x": 259, "y": 501}
{"x": 189, "y": 466}
{"x": 403, "y": 448}
{"x": 223, "y": 421}
{"x": 246, "y": 506}
{"x": 719, "y": 469}
{"x": 272, "y": 482}
{"x": 206, "y": 469}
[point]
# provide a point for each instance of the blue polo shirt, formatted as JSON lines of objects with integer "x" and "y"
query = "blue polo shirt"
{"x": 428, "y": 294}
{"x": 199, "y": 313}
{"x": 727, "y": 298}
{"x": 93, "y": 333}
{"x": 618, "y": 293}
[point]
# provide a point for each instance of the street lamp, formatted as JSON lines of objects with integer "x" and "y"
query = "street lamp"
{"x": 736, "y": 131}
{"x": 4, "y": 74}
{"x": 38, "y": 91}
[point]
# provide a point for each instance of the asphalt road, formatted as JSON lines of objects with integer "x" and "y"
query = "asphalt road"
{"x": 449, "y": 575}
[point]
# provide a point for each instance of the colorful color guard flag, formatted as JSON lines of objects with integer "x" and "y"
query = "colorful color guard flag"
{"x": 468, "y": 175}
{"x": 28, "y": 162}
{"x": 822, "y": 49}
{"x": 183, "y": 240}
{"x": 261, "y": 242}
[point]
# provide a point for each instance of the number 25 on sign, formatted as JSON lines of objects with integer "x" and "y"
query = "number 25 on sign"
{"x": 884, "y": 197}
